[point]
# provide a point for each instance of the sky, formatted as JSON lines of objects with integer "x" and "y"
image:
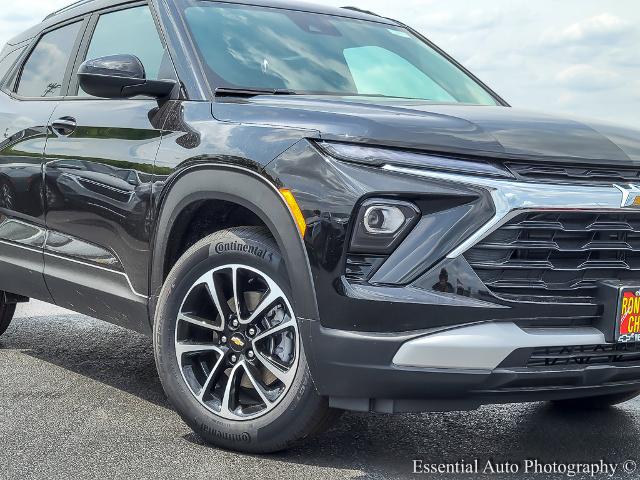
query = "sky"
{"x": 574, "y": 57}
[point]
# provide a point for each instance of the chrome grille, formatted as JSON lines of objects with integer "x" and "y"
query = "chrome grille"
{"x": 559, "y": 254}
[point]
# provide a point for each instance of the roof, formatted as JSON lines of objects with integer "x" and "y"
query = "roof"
{"x": 76, "y": 4}
{"x": 74, "y": 9}
{"x": 82, "y": 7}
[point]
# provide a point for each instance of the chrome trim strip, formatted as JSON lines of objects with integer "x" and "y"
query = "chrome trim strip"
{"x": 99, "y": 268}
{"x": 629, "y": 195}
{"x": 21, "y": 245}
{"x": 41, "y": 245}
{"x": 512, "y": 198}
{"x": 485, "y": 346}
{"x": 39, "y": 250}
{"x": 72, "y": 247}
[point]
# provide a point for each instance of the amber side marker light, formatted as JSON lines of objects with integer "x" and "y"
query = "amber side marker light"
{"x": 295, "y": 210}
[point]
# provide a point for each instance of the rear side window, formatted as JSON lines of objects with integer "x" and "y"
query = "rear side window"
{"x": 7, "y": 62}
{"x": 44, "y": 71}
{"x": 132, "y": 32}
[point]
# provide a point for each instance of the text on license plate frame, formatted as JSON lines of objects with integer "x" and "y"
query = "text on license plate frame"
{"x": 628, "y": 315}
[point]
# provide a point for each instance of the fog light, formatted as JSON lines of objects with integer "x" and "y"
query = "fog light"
{"x": 383, "y": 219}
{"x": 382, "y": 224}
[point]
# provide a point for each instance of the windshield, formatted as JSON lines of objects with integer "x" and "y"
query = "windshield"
{"x": 249, "y": 47}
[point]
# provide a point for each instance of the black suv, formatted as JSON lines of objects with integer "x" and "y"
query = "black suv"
{"x": 313, "y": 210}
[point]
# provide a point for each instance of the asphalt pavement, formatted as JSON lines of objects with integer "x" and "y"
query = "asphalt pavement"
{"x": 81, "y": 399}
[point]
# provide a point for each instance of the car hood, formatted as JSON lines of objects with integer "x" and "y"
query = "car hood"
{"x": 495, "y": 132}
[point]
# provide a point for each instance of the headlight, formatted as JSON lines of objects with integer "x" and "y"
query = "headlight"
{"x": 386, "y": 156}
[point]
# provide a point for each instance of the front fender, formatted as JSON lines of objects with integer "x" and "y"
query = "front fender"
{"x": 252, "y": 191}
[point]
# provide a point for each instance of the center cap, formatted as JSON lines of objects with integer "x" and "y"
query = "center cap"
{"x": 237, "y": 342}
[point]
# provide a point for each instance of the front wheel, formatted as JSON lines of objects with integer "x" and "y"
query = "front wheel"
{"x": 228, "y": 346}
{"x": 596, "y": 403}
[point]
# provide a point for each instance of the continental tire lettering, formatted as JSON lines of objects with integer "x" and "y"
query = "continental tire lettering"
{"x": 243, "y": 437}
{"x": 223, "y": 247}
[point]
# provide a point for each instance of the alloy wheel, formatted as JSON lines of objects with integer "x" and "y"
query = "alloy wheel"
{"x": 237, "y": 342}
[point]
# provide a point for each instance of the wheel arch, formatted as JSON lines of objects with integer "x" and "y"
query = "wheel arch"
{"x": 250, "y": 190}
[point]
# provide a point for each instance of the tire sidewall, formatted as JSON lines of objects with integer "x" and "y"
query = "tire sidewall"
{"x": 255, "y": 250}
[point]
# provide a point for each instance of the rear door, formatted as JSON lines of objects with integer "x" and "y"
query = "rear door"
{"x": 99, "y": 178}
{"x": 33, "y": 83}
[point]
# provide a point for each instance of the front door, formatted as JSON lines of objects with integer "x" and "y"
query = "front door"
{"x": 99, "y": 180}
{"x": 27, "y": 102}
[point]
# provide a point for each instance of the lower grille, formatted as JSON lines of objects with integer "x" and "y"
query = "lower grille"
{"x": 359, "y": 268}
{"x": 623, "y": 353}
{"x": 561, "y": 254}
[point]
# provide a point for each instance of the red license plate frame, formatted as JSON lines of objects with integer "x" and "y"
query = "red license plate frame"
{"x": 628, "y": 316}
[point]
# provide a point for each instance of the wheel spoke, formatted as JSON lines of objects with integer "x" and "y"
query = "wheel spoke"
{"x": 199, "y": 321}
{"x": 264, "y": 304}
{"x": 185, "y": 347}
{"x": 218, "y": 298}
{"x": 236, "y": 293}
{"x": 290, "y": 323}
{"x": 283, "y": 376}
{"x": 274, "y": 293}
{"x": 213, "y": 376}
{"x": 229, "y": 392}
{"x": 257, "y": 385}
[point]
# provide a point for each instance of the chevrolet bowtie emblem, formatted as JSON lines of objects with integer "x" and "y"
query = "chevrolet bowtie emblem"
{"x": 237, "y": 341}
{"x": 630, "y": 195}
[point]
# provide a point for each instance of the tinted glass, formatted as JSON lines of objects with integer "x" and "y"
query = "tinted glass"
{"x": 398, "y": 78}
{"x": 130, "y": 31}
{"x": 8, "y": 60}
{"x": 267, "y": 48}
{"x": 44, "y": 71}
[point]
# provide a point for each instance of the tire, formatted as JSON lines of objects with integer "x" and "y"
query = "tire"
{"x": 600, "y": 402}
{"x": 6, "y": 315}
{"x": 233, "y": 396}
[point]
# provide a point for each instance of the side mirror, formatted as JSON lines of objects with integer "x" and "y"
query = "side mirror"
{"x": 120, "y": 76}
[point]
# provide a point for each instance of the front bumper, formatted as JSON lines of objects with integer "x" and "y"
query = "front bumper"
{"x": 422, "y": 330}
{"x": 456, "y": 369}
{"x": 485, "y": 346}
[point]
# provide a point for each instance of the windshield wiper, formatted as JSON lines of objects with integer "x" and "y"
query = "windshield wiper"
{"x": 250, "y": 92}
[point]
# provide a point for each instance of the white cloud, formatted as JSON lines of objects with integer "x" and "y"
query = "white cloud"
{"x": 625, "y": 57}
{"x": 469, "y": 21}
{"x": 600, "y": 29}
{"x": 17, "y": 15}
{"x": 589, "y": 78}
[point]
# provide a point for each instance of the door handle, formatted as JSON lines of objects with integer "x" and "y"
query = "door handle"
{"x": 65, "y": 126}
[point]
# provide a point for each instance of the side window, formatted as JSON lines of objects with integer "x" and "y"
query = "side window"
{"x": 44, "y": 71}
{"x": 130, "y": 31}
{"x": 7, "y": 62}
